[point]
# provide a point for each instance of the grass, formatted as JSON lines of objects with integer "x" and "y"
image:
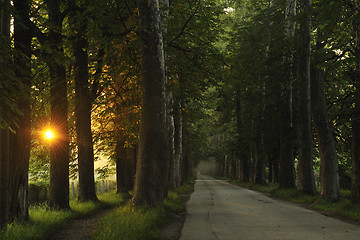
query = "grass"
{"x": 142, "y": 223}
{"x": 343, "y": 207}
{"x": 44, "y": 222}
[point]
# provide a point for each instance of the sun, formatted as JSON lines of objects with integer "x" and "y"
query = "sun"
{"x": 49, "y": 134}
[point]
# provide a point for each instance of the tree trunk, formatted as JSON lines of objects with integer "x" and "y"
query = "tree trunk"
{"x": 4, "y": 176}
{"x": 306, "y": 180}
{"x": 178, "y": 144}
{"x": 244, "y": 174}
{"x": 329, "y": 175}
{"x": 59, "y": 147}
{"x": 171, "y": 140}
{"x": 259, "y": 176}
{"x": 124, "y": 168}
{"x": 20, "y": 141}
{"x": 153, "y": 159}
{"x": 286, "y": 163}
{"x": 83, "y": 104}
{"x": 355, "y": 176}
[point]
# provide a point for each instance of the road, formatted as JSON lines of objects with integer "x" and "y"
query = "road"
{"x": 218, "y": 210}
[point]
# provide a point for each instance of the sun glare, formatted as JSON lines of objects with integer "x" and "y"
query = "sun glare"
{"x": 49, "y": 134}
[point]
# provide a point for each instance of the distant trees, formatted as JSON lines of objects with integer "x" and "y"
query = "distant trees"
{"x": 271, "y": 40}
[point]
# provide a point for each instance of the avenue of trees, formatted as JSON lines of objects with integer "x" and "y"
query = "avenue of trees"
{"x": 114, "y": 79}
{"x": 289, "y": 106}
{"x": 269, "y": 88}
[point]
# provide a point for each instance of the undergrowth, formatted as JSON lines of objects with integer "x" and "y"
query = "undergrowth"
{"x": 141, "y": 223}
{"x": 44, "y": 222}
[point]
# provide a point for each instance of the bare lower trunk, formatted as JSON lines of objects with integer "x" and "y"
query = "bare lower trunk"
{"x": 286, "y": 162}
{"x": 178, "y": 144}
{"x": 59, "y": 147}
{"x": 20, "y": 141}
{"x": 306, "y": 180}
{"x": 260, "y": 177}
{"x": 329, "y": 175}
{"x": 124, "y": 167}
{"x": 153, "y": 159}
{"x": 355, "y": 176}
{"x": 4, "y": 178}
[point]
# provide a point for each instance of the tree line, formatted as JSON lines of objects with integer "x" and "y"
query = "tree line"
{"x": 120, "y": 79}
{"x": 292, "y": 92}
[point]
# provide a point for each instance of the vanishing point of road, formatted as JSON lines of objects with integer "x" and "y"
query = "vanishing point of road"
{"x": 218, "y": 210}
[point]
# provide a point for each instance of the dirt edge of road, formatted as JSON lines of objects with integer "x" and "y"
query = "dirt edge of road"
{"x": 172, "y": 230}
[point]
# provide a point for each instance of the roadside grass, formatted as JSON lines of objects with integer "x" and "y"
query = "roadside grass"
{"x": 44, "y": 222}
{"x": 343, "y": 207}
{"x": 143, "y": 222}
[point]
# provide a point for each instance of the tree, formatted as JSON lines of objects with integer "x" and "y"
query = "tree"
{"x": 59, "y": 147}
{"x": 4, "y": 178}
{"x": 329, "y": 176}
{"x": 355, "y": 177}
{"x": 20, "y": 141}
{"x": 83, "y": 105}
{"x": 286, "y": 162}
{"x": 4, "y": 102}
{"x": 306, "y": 181}
{"x": 153, "y": 158}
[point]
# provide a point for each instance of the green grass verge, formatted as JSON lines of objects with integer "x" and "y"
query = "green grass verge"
{"x": 343, "y": 207}
{"x": 141, "y": 223}
{"x": 43, "y": 222}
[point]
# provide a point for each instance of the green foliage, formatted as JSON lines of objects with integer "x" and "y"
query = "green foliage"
{"x": 131, "y": 224}
{"x": 44, "y": 222}
{"x": 137, "y": 223}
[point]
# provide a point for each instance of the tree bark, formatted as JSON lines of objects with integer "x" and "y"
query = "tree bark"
{"x": 178, "y": 143}
{"x": 244, "y": 174}
{"x": 59, "y": 147}
{"x": 355, "y": 176}
{"x": 286, "y": 162}
{"x": 259, "y": 176}
{"x": 83, "y": 105}
{"x": 20, "y": 141}
{"x": 171, "y": 140}
{"x": 124, "y": 168}
{"x": 153, "y": 159}
{"x": 4, "y": 131}
{"x": 306, "y": 180}
{"x": 329, "y": 173}
{"x": 4, "y": 178}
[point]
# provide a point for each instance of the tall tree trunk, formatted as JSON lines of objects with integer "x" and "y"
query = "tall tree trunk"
{"x": 124, "y": 167}
{"x": 153, "y": 159}
{"x": 59, "y": 147}
{"x": 306, "y": 180}
{"x": 259, "y": 175}
{"x": 83, "y": 104}
{"x": 329, "y": 175}
{"x": 286, "y": 163}
{"x": 355, "y": 176}
{"x": 244, "y": 174}
{"x": 171, "y": 140}
{"x": 4, "y": 132}
{"x": 177, "y": 143}
{"x": 20, "y": 141}
{"x": 4, "y": 177}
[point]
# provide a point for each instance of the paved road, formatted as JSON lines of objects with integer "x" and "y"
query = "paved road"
{"x": 218, "y": 210}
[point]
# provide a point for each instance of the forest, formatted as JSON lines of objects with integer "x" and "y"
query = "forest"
{"x": 270, "y": 89}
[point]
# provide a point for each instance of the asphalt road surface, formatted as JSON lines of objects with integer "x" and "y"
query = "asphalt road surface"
{"x": 218, "y": 210}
